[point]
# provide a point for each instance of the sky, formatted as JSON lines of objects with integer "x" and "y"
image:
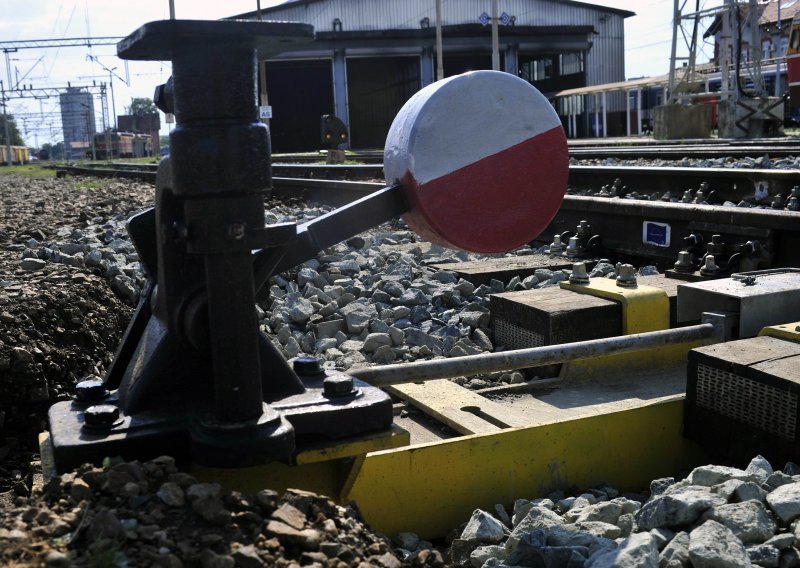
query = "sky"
{"x": 647, "y": 42}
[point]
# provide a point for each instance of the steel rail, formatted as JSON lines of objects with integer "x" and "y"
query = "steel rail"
{"x": 397, "y": 374}
{"x": 733, "y": 184}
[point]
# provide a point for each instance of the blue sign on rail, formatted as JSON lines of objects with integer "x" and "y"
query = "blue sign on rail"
{"x": 505, "y": 19}
{"x": 484, "y": 19}
{"x": 657, "y": 234}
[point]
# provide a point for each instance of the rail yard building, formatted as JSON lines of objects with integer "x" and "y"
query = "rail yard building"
{"x": 370, "y": 56}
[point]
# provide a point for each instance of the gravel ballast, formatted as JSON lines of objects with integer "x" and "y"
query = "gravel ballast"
{"x": 69, "y": 279}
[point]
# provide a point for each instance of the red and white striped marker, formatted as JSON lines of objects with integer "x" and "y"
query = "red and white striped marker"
{"x": 483, "y": 160}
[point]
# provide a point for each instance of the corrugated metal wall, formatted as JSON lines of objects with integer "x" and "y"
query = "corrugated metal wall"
{"x": 605, "y": 62}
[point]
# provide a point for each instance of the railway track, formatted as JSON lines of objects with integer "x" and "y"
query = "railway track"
{"x": 620, "y": 224}
{"x": 627, "y": 148}
{"x": 727, "y": 184}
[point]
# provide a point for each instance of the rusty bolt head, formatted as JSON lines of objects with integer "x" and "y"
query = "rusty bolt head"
{"x": 306, "y": 366}
{"x": 90, "y": 389}
{"x": 101, "y": 416}
{"x": 337, "y": 386}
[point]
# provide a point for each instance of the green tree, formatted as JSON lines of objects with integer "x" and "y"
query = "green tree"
{"x": 13, "y": 131}
{"x": 51, "y": 152}
{"x": 141, "y": 106}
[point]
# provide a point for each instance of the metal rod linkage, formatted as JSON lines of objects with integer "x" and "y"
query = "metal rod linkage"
{"x": 536, "y": 356}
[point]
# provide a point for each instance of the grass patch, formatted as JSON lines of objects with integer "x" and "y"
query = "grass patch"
{"x": 29, "y": 170}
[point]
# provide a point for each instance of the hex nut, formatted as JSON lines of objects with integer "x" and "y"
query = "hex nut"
{"x": 101, "y": 416}
{"x": 90, "y": 389}
{"x": 306, "y": 366}
{"x": 337, "y": 386}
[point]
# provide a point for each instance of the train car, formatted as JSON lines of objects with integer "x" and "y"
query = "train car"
{"x": 114, "y": 145}
{"x": 19, "y": 154}
{"x": 142, "y": 146}
{"x": 793, "y": 68}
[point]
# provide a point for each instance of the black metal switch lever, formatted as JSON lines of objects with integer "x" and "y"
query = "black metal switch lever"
{"x": 195, "y": 377}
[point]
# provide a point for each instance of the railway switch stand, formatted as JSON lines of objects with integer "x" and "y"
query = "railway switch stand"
{"x": 194, "y": 376}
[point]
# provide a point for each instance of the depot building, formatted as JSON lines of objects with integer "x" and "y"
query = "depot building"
{"x": 370, "y": 56}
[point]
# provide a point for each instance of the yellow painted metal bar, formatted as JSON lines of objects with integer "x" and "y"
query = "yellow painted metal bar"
{"x": 787, "y": 331}
{"x": 644, "y": 308}
{"x": 432, "y": 488}
{"x": 461, "y": 409}
{"x": 323, "y": 469}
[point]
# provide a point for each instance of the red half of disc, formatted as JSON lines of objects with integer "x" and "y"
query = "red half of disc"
{"x": 496, "y": 204}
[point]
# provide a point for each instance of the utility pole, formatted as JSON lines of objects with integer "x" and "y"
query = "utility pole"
{"x": 778, "y": 54}
{"x": 5, "y": 124}
{"x": 439, "y": 57}
{"x": 495, "y": 37}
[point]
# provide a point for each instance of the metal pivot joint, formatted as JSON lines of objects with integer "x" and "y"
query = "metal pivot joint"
{"x": 194, "y": 376}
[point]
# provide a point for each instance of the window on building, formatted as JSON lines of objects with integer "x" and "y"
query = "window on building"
{"x": 571, "y": 63}
{"x": 538, "y": 69}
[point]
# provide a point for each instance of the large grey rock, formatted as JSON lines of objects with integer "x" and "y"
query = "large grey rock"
{"x": 747, "y": 491}
{"x": 357, "y": 315}
{"x": 777, "y": 479}
{"x": 785, "y": 502}
{"x": 329, "y": 329}
{"x": 759, "y": 468}
{"x": 708, "y": 475}
{"x": 567, "y": 535}
{"x": 531, "y": 550}
{"x": 676, "y": 509}
{"x": 599, "y": 529}
{"x": 750, "y": 521}
{"x": 676, "y": 553}
{"x": 299, "y": 309}
{"x": 637, "y": 551}
{"x": 663, "y": 537}
{"x": 32, "y": 264}
{"x": 537, "y": 518}
{"x": 483, "y": 527}
{"x": 383, "y": 354}
{"x": 712, "y": 545}
{"x": 375, "y": 340}
{"x": 764, "y": 555}
{"x": 480, "y": 555}
{"x": 782, "y": 541}
{"x": 658, "y": 486}
{"x": 605, "y": 512}
{"x": 728, "y": 488}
